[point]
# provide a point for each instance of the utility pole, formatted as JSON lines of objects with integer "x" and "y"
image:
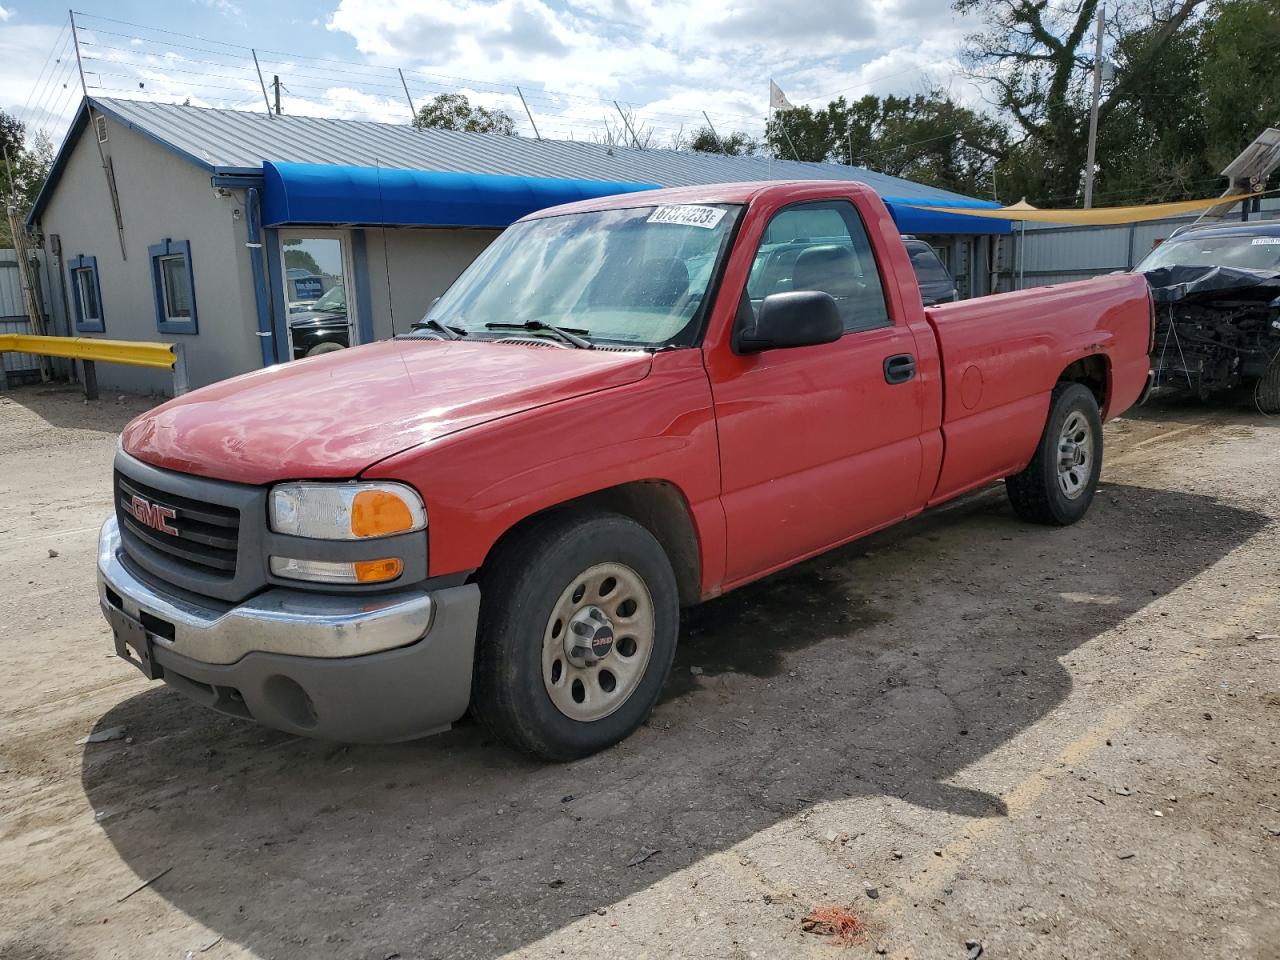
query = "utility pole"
{"x": 1093, "y": 109}
{"x": 261, "y": 83}
{"x": 627, "y": 123}
{"x": 275, "y": 85}
{"x": 530, "y": 114}
{"x": 75, "y": 38}
{"x": 413, "y": 111}
{"x": 711, "y": 127}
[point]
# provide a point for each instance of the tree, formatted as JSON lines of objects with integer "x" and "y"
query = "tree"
{"x": 24, "y": 167}
{"x": 627, "y": 131}
{"x": 453, "y": 111}
{"x": 926, "y": 137}
{"x": 1153, "y": 144}
{"x": 1240, "y": 75}
{"x": 735, "y": 144}
{"x": 301, "y": 260}
{"x": 1035, "y": 58}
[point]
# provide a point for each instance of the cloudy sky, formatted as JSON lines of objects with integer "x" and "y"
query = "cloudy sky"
{"x": 667, "y": 60}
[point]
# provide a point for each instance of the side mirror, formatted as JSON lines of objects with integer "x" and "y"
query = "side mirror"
{"x": 800, "y": 318}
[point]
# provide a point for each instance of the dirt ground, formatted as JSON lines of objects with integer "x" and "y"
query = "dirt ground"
{"x": 1056, "y": 743}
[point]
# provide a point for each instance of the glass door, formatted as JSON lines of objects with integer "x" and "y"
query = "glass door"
{"x": 317, "y": 271}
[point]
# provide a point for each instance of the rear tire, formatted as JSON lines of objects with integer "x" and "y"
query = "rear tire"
{"x": 1267, "y": 392}
{"x": 1058, "y": 485}
{"x": 578, "y": 624}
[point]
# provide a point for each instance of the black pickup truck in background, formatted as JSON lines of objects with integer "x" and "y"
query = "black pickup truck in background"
{"x": 936, "y": 283}
{"x": 322, "y": 329}
{"x": 1217, "y": 299}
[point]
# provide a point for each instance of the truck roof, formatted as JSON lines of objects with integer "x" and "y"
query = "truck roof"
{"x": 705, "y": 193}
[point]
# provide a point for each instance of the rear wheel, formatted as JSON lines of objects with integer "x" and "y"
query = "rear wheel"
{"x": 1058, "y": 485}
{"x": 578, "y": 627}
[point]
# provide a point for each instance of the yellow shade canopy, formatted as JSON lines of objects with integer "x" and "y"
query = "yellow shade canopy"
{"x": 1097, "y": 215}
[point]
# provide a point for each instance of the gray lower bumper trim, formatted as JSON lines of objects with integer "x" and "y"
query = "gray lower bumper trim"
{"x": 379, "y": 698}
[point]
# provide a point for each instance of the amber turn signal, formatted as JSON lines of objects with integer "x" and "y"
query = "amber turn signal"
{"x": 380, "y": 513}
{"x": 378, "y": 571}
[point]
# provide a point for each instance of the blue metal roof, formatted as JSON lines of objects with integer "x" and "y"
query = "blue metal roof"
{"x": 235, "y": 142}
{"x": 316, "y": 193}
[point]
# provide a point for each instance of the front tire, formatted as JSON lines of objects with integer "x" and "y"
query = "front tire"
{"x": 578, "y": 624}
{"x": 1266, "y": 393}
{"x": 1058, "y": 485}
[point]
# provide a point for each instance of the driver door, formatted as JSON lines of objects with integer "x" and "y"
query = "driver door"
{"x": 816, "y": 445}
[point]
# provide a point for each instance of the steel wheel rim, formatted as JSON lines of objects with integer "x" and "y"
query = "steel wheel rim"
{"x": 1075, "y": 455}
{"x": 591, "y": 687}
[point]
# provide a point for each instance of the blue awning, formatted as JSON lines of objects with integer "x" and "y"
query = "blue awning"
{"x": 310, "y": 194}
{"x": 911, "y": 219}
{"x": 314, "y": 194}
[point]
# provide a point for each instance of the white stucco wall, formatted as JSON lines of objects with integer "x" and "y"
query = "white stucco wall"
{"x": 422, "y": 265}
{"x": 161, "y": 196}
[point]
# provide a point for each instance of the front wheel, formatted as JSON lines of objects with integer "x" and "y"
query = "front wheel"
{"x": 1058, "y": 485}
{"x": 1266, "y": 393}
{"x": 578, "y": 625}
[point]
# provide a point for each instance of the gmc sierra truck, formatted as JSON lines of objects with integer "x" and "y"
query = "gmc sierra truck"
{"x": 624, "y": 406}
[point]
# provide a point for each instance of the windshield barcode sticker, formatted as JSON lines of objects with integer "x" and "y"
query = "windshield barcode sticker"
{"x": 1266, "y": 241}
{"x": 688, "y": 216}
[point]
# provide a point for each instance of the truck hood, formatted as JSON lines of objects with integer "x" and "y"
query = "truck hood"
{"x": 334, "y": 415}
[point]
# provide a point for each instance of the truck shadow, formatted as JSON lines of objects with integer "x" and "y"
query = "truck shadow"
{"x": 882, "y": 669}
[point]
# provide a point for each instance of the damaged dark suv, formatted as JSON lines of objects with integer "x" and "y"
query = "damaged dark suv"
{"x": 1217, "y": 300}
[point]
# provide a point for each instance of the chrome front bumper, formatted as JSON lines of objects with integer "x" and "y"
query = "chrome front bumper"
{"x": 355, "y": 667}
{"x": 293, "y": 622}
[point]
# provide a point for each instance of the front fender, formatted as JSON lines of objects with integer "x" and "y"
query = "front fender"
{"x": 481, "y": 482}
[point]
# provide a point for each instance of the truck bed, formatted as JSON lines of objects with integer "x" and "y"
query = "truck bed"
{"x": 1001, "y": 356}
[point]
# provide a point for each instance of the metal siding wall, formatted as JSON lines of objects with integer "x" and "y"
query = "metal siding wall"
{"x": 13, "y": 311}
{"x": 1058, "y": 254}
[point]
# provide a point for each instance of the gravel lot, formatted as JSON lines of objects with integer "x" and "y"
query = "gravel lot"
{"x": 1057, "y": 743}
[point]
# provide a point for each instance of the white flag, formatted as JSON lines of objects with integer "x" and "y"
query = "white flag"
{"x": 777, "y": 99}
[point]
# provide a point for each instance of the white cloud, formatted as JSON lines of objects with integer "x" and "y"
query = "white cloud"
{"x": 5, "y": 14}
{"x": 670, "y": 59}
{"x": 38, "y": 84}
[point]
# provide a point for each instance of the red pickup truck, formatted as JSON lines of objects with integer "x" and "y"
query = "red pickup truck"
{"x": 623, "y": 407}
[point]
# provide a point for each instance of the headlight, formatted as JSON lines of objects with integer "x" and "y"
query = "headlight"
{"x": 346, "y": 511}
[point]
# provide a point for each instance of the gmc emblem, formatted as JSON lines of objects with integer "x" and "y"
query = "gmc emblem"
{"x": 153, "y": 515}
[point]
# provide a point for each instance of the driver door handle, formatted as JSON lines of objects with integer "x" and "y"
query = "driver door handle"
{"x": 899, "y": 368}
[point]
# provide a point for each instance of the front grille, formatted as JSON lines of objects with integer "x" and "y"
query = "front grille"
{"x": 208, "y": 534}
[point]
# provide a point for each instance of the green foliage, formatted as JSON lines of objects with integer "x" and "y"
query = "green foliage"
{"x": 736, "y": 144}
{"x": 1240, "y": 75}
{"x": 927, "y": 137}
{"x": 1195, "y": 82}
{"x": 24, "y": 167}
{"x": 301, "y": 260}
{"x": 453, "y": 111}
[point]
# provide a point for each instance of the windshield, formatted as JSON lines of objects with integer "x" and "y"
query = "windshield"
{"x": 1247, "y": 252}
{"x": 636, "y": 276}
{"x": 334, "y": 301}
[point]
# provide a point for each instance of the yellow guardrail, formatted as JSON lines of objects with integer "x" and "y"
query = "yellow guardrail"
{"x": 90, "y": 350}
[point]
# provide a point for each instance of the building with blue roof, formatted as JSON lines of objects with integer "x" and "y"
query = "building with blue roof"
{"x": 237, "y": 232}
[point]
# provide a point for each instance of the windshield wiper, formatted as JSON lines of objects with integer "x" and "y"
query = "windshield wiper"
{"x": 567, "y": 334}
{"x": 450, "y": 332}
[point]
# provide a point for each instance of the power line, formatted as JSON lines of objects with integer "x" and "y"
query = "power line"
{"x": 45, "y": 66}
